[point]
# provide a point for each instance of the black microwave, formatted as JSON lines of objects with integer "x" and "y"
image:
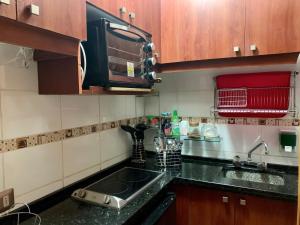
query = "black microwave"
{"x": 117, "y": 53}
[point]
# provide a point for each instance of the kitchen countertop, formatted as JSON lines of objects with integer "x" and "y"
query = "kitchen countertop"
{"x": 197, "y": 172}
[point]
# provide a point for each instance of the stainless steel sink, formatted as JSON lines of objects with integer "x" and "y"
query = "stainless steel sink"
{"x": 253, "y": 175}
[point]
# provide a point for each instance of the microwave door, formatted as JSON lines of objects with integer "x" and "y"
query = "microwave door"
{"x": 126, "y": 58}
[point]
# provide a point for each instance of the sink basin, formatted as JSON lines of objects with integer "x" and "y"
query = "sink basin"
{"x": 253, "y": 175}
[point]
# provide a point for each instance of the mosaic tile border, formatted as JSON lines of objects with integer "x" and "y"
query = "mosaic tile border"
{"x": 55, "y": 136}
{"x": 244, "y": 121}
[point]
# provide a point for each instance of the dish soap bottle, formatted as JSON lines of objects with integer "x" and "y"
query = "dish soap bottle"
{"x": 175, "y": 124}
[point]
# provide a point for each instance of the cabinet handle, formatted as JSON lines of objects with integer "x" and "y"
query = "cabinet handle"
{"x": 132, "y": 15}
{"x": 243, "y": 202}
{"x": 123, "y": 10}
{"x": 253, "y": 48}
{"x": 35, "y": 9}
{"x": 236, "y": 49}
{"x": 6, "y": 2}
{"x": 225, "y": 199}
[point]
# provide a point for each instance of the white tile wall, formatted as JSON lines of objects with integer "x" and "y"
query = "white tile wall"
{"x": 18, "y": 78}
{"x": 116, "y": 107}
{"x": 40, "y": 192}
{"x": 29, "y": 169}
{"x": 238, "y": 138}
{"x": 37, "y": 171}
{"x": 152, "y": 105}
{"x": 114, "y": 142}
{"x": 194, "y": 103}
{"x": 81, "y": 153}
{"x": 168, "y": 101}
{"x": 115, "y": 160}
{"x": 192, "y": 94}
{"x": 25, "y": 113}
{"x": 79, "y": 111}
{"x": 140, "y": 106}
{"x": 271, "y": 136}
{"x": 82, "y": 174}
{"x": 8, "y": 53}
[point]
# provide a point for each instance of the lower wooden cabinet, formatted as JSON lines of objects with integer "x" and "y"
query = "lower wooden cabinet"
{"x": 208, "y": 207}
{"x": 252, "y": 210}
{"x": 201, "y": 206}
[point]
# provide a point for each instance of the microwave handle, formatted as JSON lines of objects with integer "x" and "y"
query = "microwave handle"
{"x": 116, "y": 26}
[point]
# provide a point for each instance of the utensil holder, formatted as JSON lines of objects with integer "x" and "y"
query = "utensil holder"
{"x": 168, "y": 158}
{"x": 138, "y": 152}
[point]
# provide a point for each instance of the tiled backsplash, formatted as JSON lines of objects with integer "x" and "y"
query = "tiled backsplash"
{"x": 48, "y": 142}
{"x": 41, "y": 125}
{"x": 192, "y": 94}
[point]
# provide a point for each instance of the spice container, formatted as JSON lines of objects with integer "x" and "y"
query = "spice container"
{"x": 194, "y": 131}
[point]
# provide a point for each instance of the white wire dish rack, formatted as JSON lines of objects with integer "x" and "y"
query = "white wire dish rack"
{"x": 256, "y": 102}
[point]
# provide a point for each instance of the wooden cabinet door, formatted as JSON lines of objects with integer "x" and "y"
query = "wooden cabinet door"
{"x": 8, "y": 9}
{"x": 252, "y": 210}
{"x": 112, "y": 6}
{"x": 201, "y": 29}
{"x": 210, "y": 207}
{"x": 182, "y": 203}
{"x": 67, "y": 17}
{"x": 273, "y": 26}
{"x": 147, "y": 17}
{"x": 201, "y": 206}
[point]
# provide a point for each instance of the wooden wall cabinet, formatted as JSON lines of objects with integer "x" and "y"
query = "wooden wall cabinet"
{"x": 212, "y": 29}
{"x": 67, "y": 17}
{"x": 272, "y": 26}
{"x": 8, "y": 9}
{"x": 195, "y": 205}
{"x": 115, "y": 7}
{"x": 202, "y": 29}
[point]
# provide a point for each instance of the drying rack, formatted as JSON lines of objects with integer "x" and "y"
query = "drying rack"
{"x": 276, "y": 101}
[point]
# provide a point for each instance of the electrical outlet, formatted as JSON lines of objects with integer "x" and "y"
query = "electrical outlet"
{"x": 7, "y": 199}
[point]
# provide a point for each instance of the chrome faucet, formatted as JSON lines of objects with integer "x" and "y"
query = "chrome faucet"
{"x": 260, "y": 165}
{"x": 256, "y": 147}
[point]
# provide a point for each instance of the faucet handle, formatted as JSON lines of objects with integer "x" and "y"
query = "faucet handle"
{"x": 237, "y": 161}
{"x": 266, "y": 148}
{"x": 262, "y": 165}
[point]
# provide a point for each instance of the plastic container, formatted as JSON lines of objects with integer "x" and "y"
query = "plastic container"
{"x": 175, "y": 124}
{"x": 184, "y": 127}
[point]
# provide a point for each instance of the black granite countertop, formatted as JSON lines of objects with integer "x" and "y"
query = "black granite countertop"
{"x": 197, "y": 172}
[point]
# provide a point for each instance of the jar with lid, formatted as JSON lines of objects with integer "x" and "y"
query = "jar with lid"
{"x": 194, "y": 131}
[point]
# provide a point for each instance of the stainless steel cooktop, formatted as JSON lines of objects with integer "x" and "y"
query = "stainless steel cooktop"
{"x": 117, "y": 189}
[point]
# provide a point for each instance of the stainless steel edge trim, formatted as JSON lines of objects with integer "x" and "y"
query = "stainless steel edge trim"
{"x": 148, "y": 90}
{"x": 118, "y": 26}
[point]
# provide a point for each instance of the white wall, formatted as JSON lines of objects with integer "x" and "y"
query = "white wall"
{"x": 192, "y": 94}
{"x": 37, "y": 171}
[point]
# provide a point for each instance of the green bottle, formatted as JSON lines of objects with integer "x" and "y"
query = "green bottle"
{"x": 175, "y": 124}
